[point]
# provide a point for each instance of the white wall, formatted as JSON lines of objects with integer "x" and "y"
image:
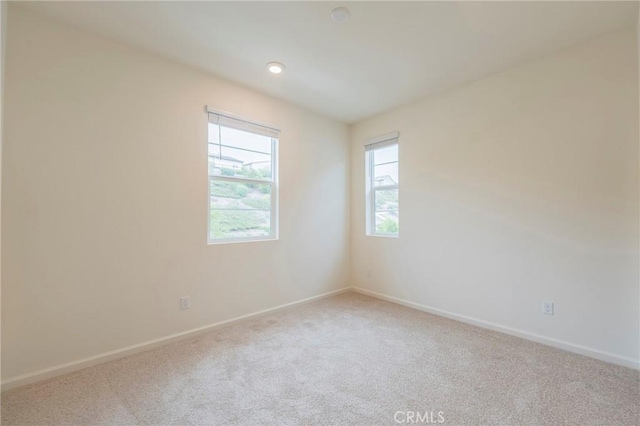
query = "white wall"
{"x": 515, "y": 189}
{"x": 638, "y": 77}
{"x": 3, "y": 37}
{"x": 105, "y": 200}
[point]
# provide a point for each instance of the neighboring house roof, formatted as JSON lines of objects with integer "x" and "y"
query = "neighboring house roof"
{"x": 258, "y": 163}
{"x": 386, "y": 180}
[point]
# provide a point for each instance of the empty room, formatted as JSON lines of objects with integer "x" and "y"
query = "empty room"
{"x": 320, "y": 213}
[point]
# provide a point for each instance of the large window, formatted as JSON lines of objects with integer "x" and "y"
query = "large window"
{"x": 242, "y": 180}
{"x": 381, "y": 160}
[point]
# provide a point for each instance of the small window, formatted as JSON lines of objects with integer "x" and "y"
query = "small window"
{"x": 242, "y": 180}
{"x": 381, "y": 163}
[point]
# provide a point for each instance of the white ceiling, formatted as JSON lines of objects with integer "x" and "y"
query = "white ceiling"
{"x": 387, "y": 54}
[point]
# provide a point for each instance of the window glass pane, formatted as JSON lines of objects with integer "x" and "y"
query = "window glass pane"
{"x": 386, "y": 174}
{"x": 239, "y": 209}
{"x": 385, "y": 155}
{"x": 246, "y": 140}
{"x": 240, "y": 223}
{"x": 214, "y": 135}
{"x": 387, "y": 222}
{"x": 386, "y": 211}
{"x": 224, "y": 161}
{"x": 239, "y": 138}
{"x": 214, "y": 150}
{"x": 239, "y": 153}
{"x": 231, "y": 165}
{"x": 239, "y": 195}
{"x": 241, "y": 163}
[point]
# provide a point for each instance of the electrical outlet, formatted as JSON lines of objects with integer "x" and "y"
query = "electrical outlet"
{"x": 547, "y": 307}
{"x": 184, "y": 303}
{"x": 368, "y": 273}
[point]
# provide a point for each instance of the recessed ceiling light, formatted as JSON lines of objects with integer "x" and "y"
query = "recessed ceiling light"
{"x": 340, "y": 14}
{"x": 275, "y": 67}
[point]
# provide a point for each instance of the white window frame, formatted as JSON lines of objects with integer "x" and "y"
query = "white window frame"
{"x": 371, "y": 146}
{"x": 273, "y": 183}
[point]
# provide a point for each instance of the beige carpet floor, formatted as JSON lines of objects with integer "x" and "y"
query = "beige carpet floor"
{"x": 348, "y": 359}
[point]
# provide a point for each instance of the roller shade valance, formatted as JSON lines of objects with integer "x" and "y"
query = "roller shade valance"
{"x": 229, "y": 120}
{"x": 382, "y": 141}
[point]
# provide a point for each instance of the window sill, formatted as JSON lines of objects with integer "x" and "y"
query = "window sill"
{"x": 236, "y": 241}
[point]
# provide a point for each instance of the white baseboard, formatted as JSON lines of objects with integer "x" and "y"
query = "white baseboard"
{"x": 81, "y": 364}
{"x": 578, "y": 349}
